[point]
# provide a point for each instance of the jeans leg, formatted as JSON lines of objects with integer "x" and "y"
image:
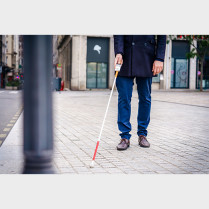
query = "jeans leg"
{"x": 125, "y": 87}
{"x": 144, "y": 108}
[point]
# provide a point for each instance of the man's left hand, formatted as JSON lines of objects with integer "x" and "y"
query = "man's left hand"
{"x": 157, "y": 67}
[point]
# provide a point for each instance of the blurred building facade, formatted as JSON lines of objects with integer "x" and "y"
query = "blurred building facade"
{"x": 20, "y": 54}
{"x": 11, "y": 51}
{"x": 2, "y": 59}
{"x": 85, "y": 65}
{"x": 55, "y": 55}
{"x": 64, "y": 65}
{"x": 2, "y": 50}
{"x": 11, "y": 59}
{"x": 180, "y": 72}
{"x": 86, "y": 62}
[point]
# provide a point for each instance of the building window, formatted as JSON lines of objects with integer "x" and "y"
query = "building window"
{"x": 205, "y": 81}
{"x": 180, "y": 65}
{"x": 96, "y": 75}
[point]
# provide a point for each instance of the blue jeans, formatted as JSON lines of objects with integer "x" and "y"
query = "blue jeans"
{"x": 125, "y": 87}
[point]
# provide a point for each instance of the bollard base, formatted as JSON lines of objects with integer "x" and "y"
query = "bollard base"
{"x": 38, "y": 165}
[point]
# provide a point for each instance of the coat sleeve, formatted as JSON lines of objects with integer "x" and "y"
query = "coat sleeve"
{"x": 119, "y": 44}
{"x": 161, "y": 45}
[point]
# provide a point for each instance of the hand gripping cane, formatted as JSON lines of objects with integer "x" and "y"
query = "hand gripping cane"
{"x": 117, "y": 69}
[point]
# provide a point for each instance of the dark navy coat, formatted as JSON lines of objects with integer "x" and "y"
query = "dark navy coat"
{"x": 139, "y": 52}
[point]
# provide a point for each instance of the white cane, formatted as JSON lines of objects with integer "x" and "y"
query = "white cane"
{"x": 117, "y": 69}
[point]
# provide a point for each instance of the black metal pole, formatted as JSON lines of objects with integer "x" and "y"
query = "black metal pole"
{"x": 37, "y": 96}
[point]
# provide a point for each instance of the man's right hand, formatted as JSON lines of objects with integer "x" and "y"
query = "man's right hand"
{"x": 118, "y": 60}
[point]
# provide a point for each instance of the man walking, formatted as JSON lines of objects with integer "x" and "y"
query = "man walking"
{"x": 141, "y": 58}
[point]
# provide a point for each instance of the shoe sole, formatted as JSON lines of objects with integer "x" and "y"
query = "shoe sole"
{"x": 144, "y": 146}
{"x": 120, "y": 149}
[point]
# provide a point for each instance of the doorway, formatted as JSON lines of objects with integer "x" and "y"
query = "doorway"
{"x": 97, "y": 63}
{"x": 180, "y": 64}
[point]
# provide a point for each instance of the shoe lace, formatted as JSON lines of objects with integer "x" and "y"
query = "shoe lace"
{"x": 122, "y": 140}
{"x": 142, "y": 137}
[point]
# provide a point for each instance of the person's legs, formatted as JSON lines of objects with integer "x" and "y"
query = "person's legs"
{"x": 144, "y": 92}
{"x": 125, "y": 87}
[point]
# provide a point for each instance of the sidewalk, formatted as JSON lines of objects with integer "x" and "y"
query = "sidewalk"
{"x": 178, "y": 133}
{"x": 11, "y": 157}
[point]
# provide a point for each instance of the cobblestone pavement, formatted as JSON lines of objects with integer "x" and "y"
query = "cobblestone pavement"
{"x": 178, "y": 133}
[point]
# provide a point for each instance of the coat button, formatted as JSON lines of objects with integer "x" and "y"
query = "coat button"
{"x": 133, "y": 43}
